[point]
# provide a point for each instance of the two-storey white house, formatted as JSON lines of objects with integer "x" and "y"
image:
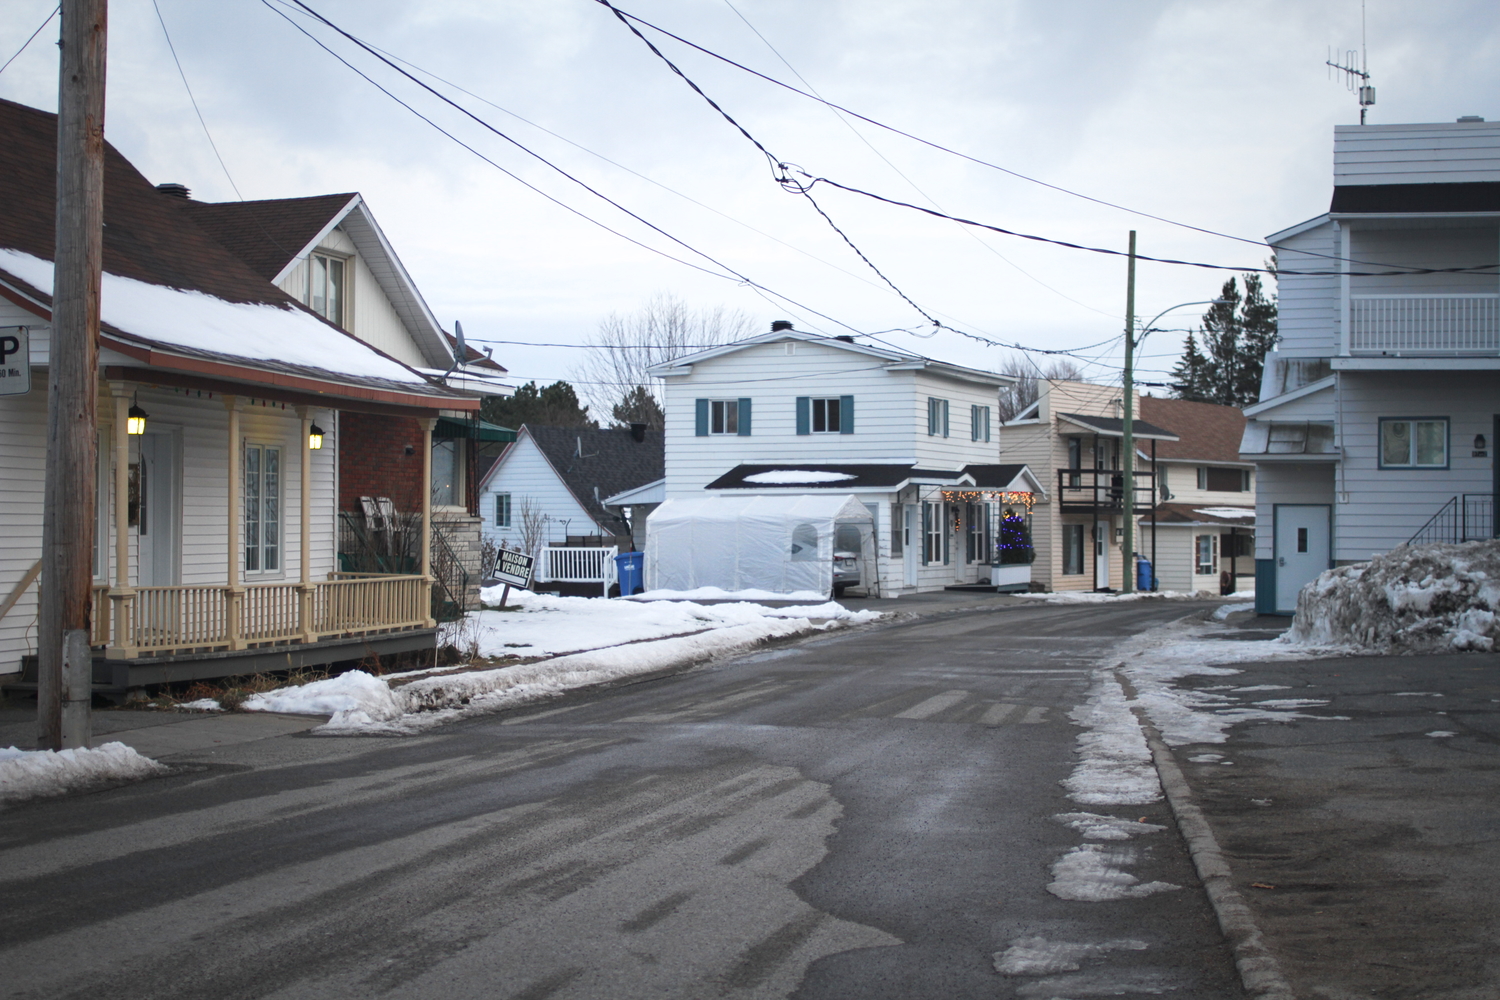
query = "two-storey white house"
{"x": 792, "y": 412}
{"x": 1378, "y": 411}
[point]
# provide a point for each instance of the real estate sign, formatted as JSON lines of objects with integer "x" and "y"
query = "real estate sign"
{"x": 15, "y": 361}
{"x": 512, "y": 568}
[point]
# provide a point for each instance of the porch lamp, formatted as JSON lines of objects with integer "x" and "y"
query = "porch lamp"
{"x": 135, "y": 420}
{"x": 1127, "y": 430}
{"x": 315, "y": 438}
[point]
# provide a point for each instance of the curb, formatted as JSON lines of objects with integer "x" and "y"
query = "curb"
{"x": 1259, "y": 970}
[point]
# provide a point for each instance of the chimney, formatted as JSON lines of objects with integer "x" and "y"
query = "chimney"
{"x": 174, "y": 189}
{"x": 778, "y": 325}
{"x": 638, "y": 431}
{"x": 845, "y": 338}
{"x": 1470, "y": 118}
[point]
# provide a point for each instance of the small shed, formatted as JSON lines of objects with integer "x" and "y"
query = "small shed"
{"x": 778, "y": 544}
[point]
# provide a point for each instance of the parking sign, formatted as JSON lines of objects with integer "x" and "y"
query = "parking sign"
{"x": 15, "y": 361}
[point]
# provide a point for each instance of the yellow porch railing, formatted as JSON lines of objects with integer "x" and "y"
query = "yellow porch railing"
{"x": 165, "y": 620}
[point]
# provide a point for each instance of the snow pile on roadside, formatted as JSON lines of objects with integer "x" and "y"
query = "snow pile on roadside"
{"x": 1093, "y": 873}
{"x": 1413, "y": 599}
{"x": 26, "y": 774}
{"x": 1231, "y": 609}
{"x": 547, "y": 625}
{"x": 1114, "y": 766}
{"x": 1090, "y": 597}
{"x": 720, "y": 594}
{"x": 360, "y": 703}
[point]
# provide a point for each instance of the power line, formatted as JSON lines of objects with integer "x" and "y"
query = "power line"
{"x": 56, "y": 10}
{"x": 194, "y": 101}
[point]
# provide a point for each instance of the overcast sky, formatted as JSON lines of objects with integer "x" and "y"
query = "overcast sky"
{"x": 1210, "y": 113}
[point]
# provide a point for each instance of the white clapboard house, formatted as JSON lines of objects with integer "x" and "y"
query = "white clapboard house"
{"x": 790, "y": 412}
{"x": 1378, "y": 414}
{"x": 219, "y": 408}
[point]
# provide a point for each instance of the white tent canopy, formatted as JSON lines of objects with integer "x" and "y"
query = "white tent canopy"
{"x": 781, "y": 544}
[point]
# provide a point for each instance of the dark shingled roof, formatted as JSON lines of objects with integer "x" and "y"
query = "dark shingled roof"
{"x": 993, "y": 477}
{"x": 1116, "y": 425}
{"x": 148, "y": 235}
{"x": 864, "y": 476}
{"x": 267, "y": 235}
{"x": 1467, "y": 196}
{"x": 1206, "y": 432}
{"x": 610, "y": 460}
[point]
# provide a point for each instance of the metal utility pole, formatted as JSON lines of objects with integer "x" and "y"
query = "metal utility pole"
{"x": 1127, "y": 436}
{"x": 63, "y": 657}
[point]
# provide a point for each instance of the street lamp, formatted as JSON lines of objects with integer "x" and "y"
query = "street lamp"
{"x": 1127, "y": 443}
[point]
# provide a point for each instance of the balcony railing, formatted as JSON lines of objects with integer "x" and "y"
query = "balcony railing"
{"x": 1424, "y": 324}
{"x": 164, "y": 620}
{"x": 1102, "y": 491}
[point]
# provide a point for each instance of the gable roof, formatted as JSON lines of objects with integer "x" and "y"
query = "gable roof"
{"x": 273, "y": 235}
{"x": 896, "y": 360}
{"x": 1115, "y": 426}
{"x": 595, "y": 464}
{"x": 1205, "y": 431}
{"x": 173, "y": 296}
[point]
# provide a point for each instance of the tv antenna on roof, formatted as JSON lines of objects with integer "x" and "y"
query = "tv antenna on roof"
{"x": 1356, "y": 69}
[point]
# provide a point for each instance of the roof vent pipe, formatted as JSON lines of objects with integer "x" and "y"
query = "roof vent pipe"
{"x": 1470, "y": 118}
{"x": 638, "y": 431}
{"x": 174, "y": 189}
{"x": 777, "y": 325}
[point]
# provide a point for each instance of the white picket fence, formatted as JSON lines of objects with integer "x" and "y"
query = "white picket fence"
{"x": 577, "y": 564}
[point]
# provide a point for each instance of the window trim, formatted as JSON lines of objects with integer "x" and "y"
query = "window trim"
{"x": 979, "y": 423}
{"x": 1412, "y": 444}
{"x": 1213, "y": 555}
{"x": 502, "y": 521}
{"x": 817, "y": 403}
{"x": 1072, "y": 532}
{"x": 343, "y": 320}
{"x": 263, "y": 445}
{"x": 937, "y": 417}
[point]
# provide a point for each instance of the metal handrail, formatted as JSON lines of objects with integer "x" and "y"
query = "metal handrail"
{"x": 1466, "y": 518}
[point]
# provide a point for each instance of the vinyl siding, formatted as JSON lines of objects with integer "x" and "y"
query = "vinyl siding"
{"x": 1182, "y": 482}
{"x": 1287, "y": 482}
{"x": 524, "y": 473}
{"x": 1440, "y": 152}
{"x": 1377, "y": 249}
{"x": 1308, "y": 305}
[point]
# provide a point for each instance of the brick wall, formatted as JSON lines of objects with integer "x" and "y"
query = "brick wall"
{"x": 380, "y": 457}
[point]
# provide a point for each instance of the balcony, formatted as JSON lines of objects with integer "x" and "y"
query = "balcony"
{"x": 1442, "y": 325}
{"x": 1101, "y": 491}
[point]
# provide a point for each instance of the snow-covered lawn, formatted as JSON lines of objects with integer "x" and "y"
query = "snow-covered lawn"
{"x": 602, "y": 642}
{"x": 26, "y": 774}
{"x": 1413, "y": 599}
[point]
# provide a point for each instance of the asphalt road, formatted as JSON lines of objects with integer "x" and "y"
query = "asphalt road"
{"x": 866, "y": 815}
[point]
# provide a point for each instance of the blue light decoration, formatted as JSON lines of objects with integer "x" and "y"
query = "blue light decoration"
{"x": 1013, "y": 545}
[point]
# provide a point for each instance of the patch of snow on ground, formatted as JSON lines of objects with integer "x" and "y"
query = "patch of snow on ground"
{"x": 1230, "y": 609}
{"x": 1413, "y": 599}
{"x": 201, "y": 705}
{"x": 1090, "y": 597}
{"x": 1258, "y": 687}
{"x": 1093, "y": 873}
{"x": 352, "y": 691}
{"x": 548, "y": 625}
{"x": 1095, "y": 826}
{"x": 1441, "y": 733}
{"x": 1206, "y": 758}
{"x": 1115, "y": 765}
{"x": 1036, "y": 956}
{"x": 720, "y": 594}
{"x": 1416, "y": 694}
{"x": 26, "y": 774}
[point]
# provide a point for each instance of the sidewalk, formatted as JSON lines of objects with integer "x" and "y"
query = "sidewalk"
{"x": 1366, "y": 846}
{"x": 161, "y": 734}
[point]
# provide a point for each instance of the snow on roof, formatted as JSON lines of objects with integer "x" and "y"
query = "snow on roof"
{"x": 1240, "y": 512}
{"x": 198, "y": 321}
{"x": 786, "y": 476}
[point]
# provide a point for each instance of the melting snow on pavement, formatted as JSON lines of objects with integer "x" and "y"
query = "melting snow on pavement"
{"x": 26, "y": 774}
{"x": 1036, "y": 956}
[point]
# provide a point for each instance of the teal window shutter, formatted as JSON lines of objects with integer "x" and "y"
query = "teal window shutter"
{"x": 944, "y": 403}
{"x": 846, "y": 414}
{"x": 701, "y": 406}
{"x": 744, "y": 417}
{"x": 804, "y": 414}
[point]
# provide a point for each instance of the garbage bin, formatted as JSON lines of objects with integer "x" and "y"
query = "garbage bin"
{"x": 628, "y": 567}
{"x": 1144, "y": 578}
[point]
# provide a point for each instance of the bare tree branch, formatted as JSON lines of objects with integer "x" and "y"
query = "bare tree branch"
{"x": 1029, "y": 377}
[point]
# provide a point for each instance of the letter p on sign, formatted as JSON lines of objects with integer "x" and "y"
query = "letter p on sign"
{"x": 15, "y": 362}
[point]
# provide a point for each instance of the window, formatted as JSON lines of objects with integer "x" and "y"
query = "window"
{"x": 937, "y": 417}
{"x": 825, "y": 416}
{"x": 1075, "y": 461}
{"x": 1414, "y": 443}
{"x": 502, "y": 510}
{"x": 934, "y": 533}
{"x": 1206, "y": 554}
{"x": 898, "y": 529}
{"x": 805, "y": 543}
{"x": 262, "y": 509}
{"x": 445, "y": 473}
{"x": 722, "y": 416}
{"x": 325, "y": 287}
{"x": 1202, "y": 478}
{"x": 1161, "y": 479}
{"x": 1072, "y": 550}
{"x": 977, "y": 548}
{"x": 979, "y": 421}
{"x": 1221, "y": 480}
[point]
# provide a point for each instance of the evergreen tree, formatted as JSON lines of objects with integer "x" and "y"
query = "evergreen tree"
{"x": 638, "y": 406}
{"x": 1013, "y": 547}
{"x": 1236, "y": 334}
{"x": 555, "y": 405}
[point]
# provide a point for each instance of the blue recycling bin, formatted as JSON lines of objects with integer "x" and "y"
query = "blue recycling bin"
{"x": 630, "y": 567}
{"x": 1144, "y": 578}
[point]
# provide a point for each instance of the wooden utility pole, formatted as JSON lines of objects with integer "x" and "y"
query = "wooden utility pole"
{"x": 63, "y": 657}
{"x": 1127, "y": 435}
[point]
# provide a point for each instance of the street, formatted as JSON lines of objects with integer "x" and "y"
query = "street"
{"x": 868, "y": 814}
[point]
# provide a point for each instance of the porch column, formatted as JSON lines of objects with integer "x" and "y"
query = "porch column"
{"x": 234, "y": 593}
{"x": 121, "y": 595}
{"x": 305, "y": 587}
{"x": 428, "y": 423}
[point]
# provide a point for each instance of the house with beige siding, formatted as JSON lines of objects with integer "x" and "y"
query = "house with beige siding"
{"x": 219, "y": 408}
{"x": 790, "y": 412}
{"x": 1378, "y": 416}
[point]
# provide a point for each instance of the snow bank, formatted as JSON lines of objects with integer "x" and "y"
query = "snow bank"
{"x": 548, "y": 626}
{"x": 1413, "y": 599}
{"x": 720, "y": 594}
{"x": 26, "y": 774}
{"x": 1090, "y": 597}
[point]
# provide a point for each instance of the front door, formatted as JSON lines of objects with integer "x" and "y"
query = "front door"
{"x": 1301, "y": 549}
{"x": 1101, "y": 555}
{"x": 156, "y": 530}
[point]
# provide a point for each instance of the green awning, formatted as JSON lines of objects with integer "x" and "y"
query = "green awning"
{"x": 475, "y": 430}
